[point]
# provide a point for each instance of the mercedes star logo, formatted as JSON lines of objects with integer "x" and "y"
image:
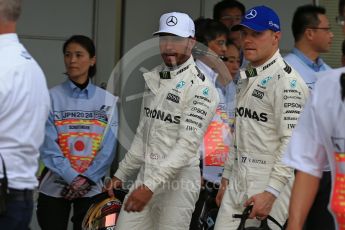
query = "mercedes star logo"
{"x": 171, "y": 21}
{"x": 252, "y": 14}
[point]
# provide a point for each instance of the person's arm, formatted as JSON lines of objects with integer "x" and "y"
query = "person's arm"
{"x": 307, "y": 155}
{"x": 106, "y": 154}
{"x": 289, "y": 97}
{"x": 51, "y": 154}
{"x": 223, "y": 186}
{"x": 134, "y": 158}
{"x": 303, "y": 193}
{"x": 227, "y": 171}
{"x": 189, "y": 135}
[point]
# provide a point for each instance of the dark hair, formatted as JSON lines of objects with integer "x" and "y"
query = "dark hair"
{"x": 305, "y": 17}
{"x": 342, "y": 86}
{"x": 87, "y": 44}
{"x": 343, "y": 47}
{"x": 341, "y": 7}
{"x": 207, "y": 29}
{"x": 230, "y": 42}
{"x": 225, "y": 4}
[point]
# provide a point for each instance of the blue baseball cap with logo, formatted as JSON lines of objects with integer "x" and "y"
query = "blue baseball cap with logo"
{"x": 259, "y": 18}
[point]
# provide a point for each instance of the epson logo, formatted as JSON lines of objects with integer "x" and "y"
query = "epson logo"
{"x": 173, "y": 98}
{"x": 200, "y": 111}
{"x": 258, "y": 94}
{"x": 292, "y": 105}
{"x": 245, "y": 112}
{"x": 161, "y": 115}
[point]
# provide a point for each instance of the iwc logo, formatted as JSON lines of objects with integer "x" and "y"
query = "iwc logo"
{"x": 171, "y": 21}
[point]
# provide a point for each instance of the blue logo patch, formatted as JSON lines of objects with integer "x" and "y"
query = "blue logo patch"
{"x": 293, "y": 84}
{"x": 180, "y": 85}
{"x": 265, "y": 81}
{"x": 205, "y": 92}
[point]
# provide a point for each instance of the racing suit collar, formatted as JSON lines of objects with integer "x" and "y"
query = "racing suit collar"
{"x": 173, "y": 72}
{"x": 154, "y": 78}
{"x": 276, "y": 61}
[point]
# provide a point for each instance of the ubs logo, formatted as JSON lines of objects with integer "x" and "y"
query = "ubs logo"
{"x": 171, "y": 21}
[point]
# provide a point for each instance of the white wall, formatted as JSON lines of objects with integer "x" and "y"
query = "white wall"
{"x": 45, "y": 25}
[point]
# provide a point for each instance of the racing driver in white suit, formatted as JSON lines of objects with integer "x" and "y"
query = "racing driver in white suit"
{"x": 178, "y": 104}
{"x": 270, "y": 97}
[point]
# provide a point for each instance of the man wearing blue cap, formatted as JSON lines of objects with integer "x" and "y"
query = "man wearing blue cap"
{"x": 270, "y": 97}
{"x": 178, "y": 105}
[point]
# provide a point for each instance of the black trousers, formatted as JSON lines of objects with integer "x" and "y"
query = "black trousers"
{"x": 207, "y": 200}
{"x": 53, "y": 213}
{"x": 319, "y": 218}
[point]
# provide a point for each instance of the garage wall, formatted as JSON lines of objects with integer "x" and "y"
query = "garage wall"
{"x": 45, "y": 25}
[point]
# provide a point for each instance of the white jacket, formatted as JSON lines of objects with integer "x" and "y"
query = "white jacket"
{"x": 176, "y": 110}
{"x": 270, "y": 99}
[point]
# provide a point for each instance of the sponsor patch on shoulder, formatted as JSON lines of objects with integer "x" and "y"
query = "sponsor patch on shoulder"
{"x": 200, "y": 74}
{"x": 287, "y": 68}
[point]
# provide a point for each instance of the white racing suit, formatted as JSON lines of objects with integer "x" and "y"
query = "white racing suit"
{"x": 177, "y": 108}
{"x": 269, "y": 101}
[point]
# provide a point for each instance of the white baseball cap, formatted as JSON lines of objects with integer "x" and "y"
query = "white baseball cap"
{"x": 176, "y": 23}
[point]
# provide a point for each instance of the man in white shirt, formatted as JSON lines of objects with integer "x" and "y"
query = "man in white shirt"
{"x": 24, "y": 110}
{"x": 319, "y": 138}
{"x": 313, "y": 36}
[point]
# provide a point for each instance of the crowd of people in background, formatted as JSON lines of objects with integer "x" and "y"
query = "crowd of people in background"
{"x": 250, "y": 137}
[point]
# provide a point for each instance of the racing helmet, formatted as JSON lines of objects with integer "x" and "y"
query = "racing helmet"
{"x": 104, "y": 212}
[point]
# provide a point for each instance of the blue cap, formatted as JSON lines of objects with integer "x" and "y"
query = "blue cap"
{"x": 259, "y": 18}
